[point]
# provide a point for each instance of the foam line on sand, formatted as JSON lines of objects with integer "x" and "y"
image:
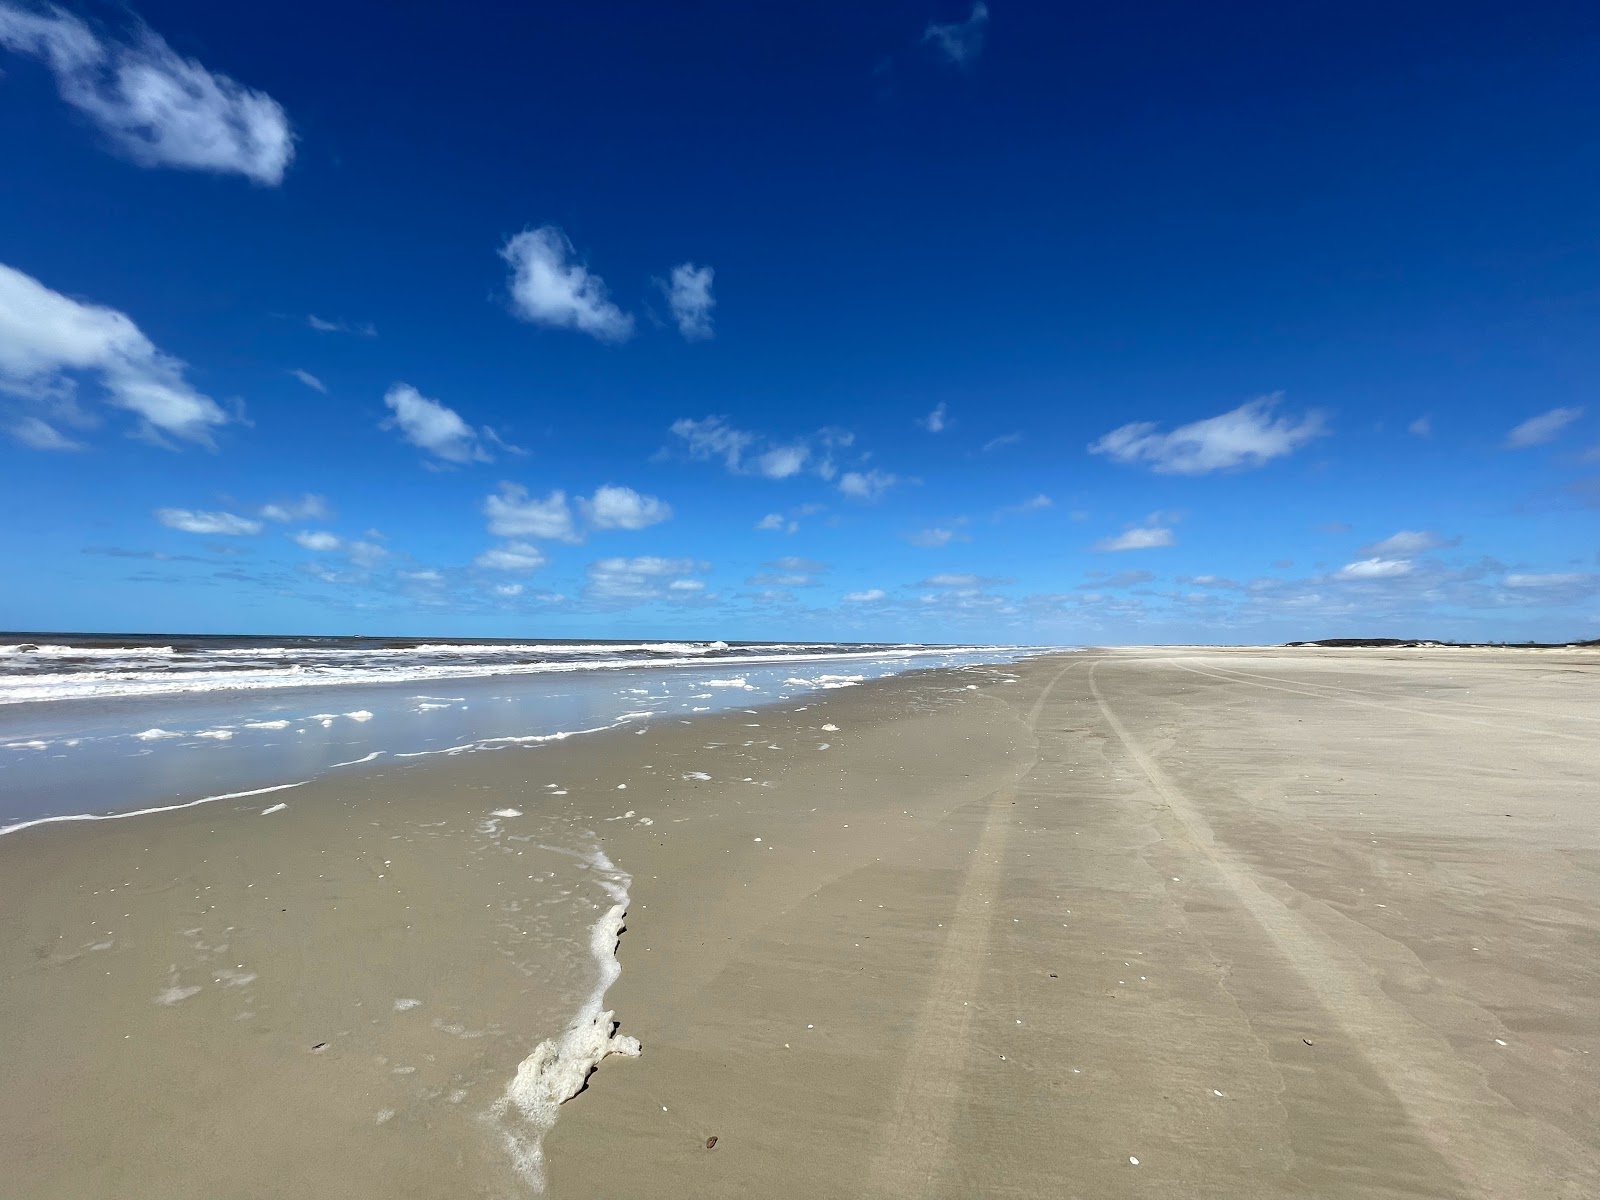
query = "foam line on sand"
{"x": 145, "y": 812}
{"x": 559, "y": 1068}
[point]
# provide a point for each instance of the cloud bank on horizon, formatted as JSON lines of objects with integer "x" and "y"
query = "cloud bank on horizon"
{"x": 433, "y": 360}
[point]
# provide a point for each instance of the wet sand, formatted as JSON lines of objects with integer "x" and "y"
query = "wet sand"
{"x": 1269, "y": 922}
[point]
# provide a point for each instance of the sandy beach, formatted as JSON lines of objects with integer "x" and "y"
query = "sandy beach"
{"x": 1158, "y": 922}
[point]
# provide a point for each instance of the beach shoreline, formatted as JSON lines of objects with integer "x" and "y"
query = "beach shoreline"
{"x": 1002, "y": 929}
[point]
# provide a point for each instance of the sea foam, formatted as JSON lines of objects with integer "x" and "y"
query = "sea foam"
{"x": 558, "y": 1068}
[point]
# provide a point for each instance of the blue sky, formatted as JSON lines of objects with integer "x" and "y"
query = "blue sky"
{"x": 913, "y": 321}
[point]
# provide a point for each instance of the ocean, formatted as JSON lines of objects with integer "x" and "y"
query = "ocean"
{"x": 101, "y": 724}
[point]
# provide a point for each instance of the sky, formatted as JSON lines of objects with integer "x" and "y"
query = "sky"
{"x": 912, "y": 321}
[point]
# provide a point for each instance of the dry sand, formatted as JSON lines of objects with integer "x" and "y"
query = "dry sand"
{"x": 1269, "y": 922}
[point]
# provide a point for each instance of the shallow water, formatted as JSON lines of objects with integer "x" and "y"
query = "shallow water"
{"x": 110, "y": 754}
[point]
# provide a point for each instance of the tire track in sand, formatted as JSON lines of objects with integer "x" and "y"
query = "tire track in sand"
{"x": 1493, "y": 1147}
{"x": 913, "y": 1146}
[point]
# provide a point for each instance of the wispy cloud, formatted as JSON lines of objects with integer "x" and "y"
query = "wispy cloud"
{"x": 935, "y": 536}
{"x": 225, "y": 524}
{"x": 1409, "y": 542}
{"x": 358, "y": 329}
{"x": 513, "y": 556}
{"x": 1033, "y": 504}
{"x": 38, "y": 434}
{"x": 1545, "y": 427}
{"x": 1001, "y": 442}
{"x": 310, "y": 380}
{"x": 1548, "y": 580}
{"x": 548, "y": 287}
{"x": 744, "y": 452}
{"x": 712, "y": 438}
{"x": 1120, "y": 579}
{"x": 1374, "y": 568}
{"x": 306, "y": 508}
{"x": 431, "y": 426}
{"x": 959, "y": 42}
{"x": 47, "y": 341}
{"x": 1147, "y": 538}
{"x": 789, "y": 571}
{"x": 870, "y": 596}
{"x": 688, "y": 292}
{"x": 1422, "y": 427}
{"x": 1247, "y": 436}
{"x": 937, "y": 420}
{"x": 954, "y": 579}
{"x": 623, "y": 581}
{"x": 159, "y": 109}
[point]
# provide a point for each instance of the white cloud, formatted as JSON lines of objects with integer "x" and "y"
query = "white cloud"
{"x": 431, "y": 426}
{"x": 46, "y": 339}
{"x": 512, "y": 513}
{"x": 159, "y": 109}
{"x": 633, "y": 580}
{"x": 782, "y": 461}
{"x": 41, "y": 435}
{"x": 866, "y": 485}
{"x": 306, "y": 508}
{"x": 960, "y": 42}
{"x": 1374, "y": 568}
{"x": 1138, "y": 539}
{"x": 508, "y": 589}
{"x": 310, "y": 380}
{"x": 952, "y": 580}
{"x": 1248, "y": 436}
{"x": 937, "y": 420}
{"x": 623, "y": 508}
{"x": 513, "y": 556}
{"x": 1545, "y": 427}
{"x": 1407, "y": 543}
{"x": 366, "y": 554}
{"x": 689, "y": 294}
{"x": 1422, "y": 427}
{"x": 774, "y": 522}
{"x": 317, "y": 539}
{"x": 190, "y": 521}
{"x": 870, "y": 596}
{"x": 549, "y": 289}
